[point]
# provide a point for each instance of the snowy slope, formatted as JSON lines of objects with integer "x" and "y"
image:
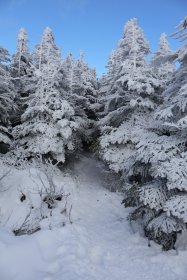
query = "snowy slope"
{"x": 98, "y": 245}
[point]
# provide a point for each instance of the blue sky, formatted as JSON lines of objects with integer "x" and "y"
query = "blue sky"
{"x": 94, "y": 26}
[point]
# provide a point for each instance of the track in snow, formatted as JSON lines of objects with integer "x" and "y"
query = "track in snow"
{"x": 99, "y": 245}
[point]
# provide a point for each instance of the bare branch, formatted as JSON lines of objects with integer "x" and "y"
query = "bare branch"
{"x": 181, "y": 33}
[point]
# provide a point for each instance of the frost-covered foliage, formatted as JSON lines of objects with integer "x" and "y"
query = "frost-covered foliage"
{"x": 163, "y": 61}
{"x": 107, "y": 80}
{"x": 162, "y": 191}
{"x": 80, "y": 83}
{"x": 23, "y": 78}
{"x": 7, "y": 94}
{"x": 181, "y": 32}
{"x": 56, "y": 99}
{"x": 143, "y": 139}
{"x": 49, "y": 122}
{"x": 84, "y": 86}
{"x": 22, "y": 57}
{"x": 132, "y": 93}
{"x": 46, "y": 49}
{"x": 142, "y": 106}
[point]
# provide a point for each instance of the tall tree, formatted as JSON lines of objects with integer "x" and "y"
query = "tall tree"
{"x": 46, "y": 49}
{"x": 134, "y": 94}
{"x": 161, "y": 197}
{"x": 7, "y": 94}
{"x": 22, "y": 72}
{"x": 81, "y": 84}
{"x": 163, "y": 61}
{"x": 22, "y": 58}
{"x": 48, "y": 124}
{"x": 84, "y": 86}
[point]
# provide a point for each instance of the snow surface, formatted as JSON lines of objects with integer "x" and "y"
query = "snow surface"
{"x": 100, "y": 243}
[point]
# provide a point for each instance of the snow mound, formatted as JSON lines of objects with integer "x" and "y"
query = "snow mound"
{"x": 33, "y": 198}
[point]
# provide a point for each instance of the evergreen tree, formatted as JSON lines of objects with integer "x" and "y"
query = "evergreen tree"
{"x": 49, "y": 122}
{"x": 22, "y": 72}
{"x": 106, "y": 81}
{"x": 81, "y": 84}
{"x": 7, "y": 94}
{"x": 161, "y": 196}
{"x": 22, "y": 58}
{"x": 134, "y": 94}
{"x": 46, "y": 49}
{"x": 84, "y": 86}
{"x": 163, "y": 61}
{"x": 67, "y": 79}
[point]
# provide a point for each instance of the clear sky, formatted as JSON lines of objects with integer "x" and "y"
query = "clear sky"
{"x": 94, "y": 26}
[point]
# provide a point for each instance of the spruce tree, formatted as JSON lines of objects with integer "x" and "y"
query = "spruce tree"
{"x": 22, "y": 58}
{"x": 81, "y": 84}
{"x": 84, "y": 86}
{"x": 48, "y": 124}
{"x": 161, "y": 196}
{"x": 134, "y": 94}
{"x": 7, "y": 95}
{"x": 22, "y": 72}
{"x": 163, "y": 61}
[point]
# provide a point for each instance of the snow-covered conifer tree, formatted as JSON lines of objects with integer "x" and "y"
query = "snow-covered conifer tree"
{"x": 7, "y": 94}
{"x": 22, "y": 72}
{"x": 134, "y": 94}
{"x": 161, "y": 198}
{"x": 48, "y": 124}
{"x": 107, "y": 80}
{"x": 22, "y": 58}
{"x": 46, "y": 49}
{"x": 66, "y": 83}
{"x": 81, "y": 84}
{"x": 84, "y": 86}
{"x": 163, "y": 61}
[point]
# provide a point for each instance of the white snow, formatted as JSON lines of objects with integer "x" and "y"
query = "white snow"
{"x": 100, "y": 243}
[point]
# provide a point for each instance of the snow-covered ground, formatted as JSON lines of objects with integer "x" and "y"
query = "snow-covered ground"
{"x": 98, "y": 245}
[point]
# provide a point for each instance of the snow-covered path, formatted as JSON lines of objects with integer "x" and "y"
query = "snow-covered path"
{"x": 98, "y": 245}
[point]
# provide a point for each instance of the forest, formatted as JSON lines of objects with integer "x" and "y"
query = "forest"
{"x": 132, "y": 121}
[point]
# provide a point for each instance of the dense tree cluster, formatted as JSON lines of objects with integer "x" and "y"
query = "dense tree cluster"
{"x": 52, "y": 99}
{"x": 50, "y": 107}
{"x": 143, "y": 131}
